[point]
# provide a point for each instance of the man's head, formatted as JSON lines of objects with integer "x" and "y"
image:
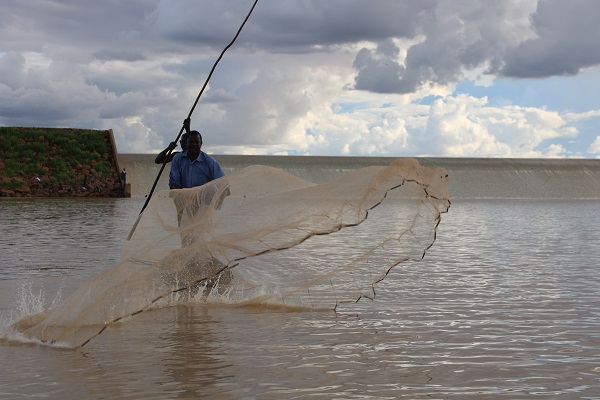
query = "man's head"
{"x": 194, "y": 142}
{"x": 183, "y": 141}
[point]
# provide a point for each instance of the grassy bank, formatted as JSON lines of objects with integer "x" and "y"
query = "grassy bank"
{"x": 52, "y": 162}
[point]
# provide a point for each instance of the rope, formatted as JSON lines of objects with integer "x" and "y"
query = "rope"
{"x": 190, "y": 115}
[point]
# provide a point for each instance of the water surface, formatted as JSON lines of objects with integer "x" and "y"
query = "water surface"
{"x": 504, "y": 305}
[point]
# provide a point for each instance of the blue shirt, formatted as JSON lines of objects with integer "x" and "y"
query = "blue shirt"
{"x": 189, "y": 173}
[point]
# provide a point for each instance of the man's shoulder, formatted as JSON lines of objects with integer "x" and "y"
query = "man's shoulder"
{"x": 177, "y": 155}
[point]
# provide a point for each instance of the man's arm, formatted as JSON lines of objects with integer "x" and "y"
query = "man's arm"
{"x": 175, "y": 173}
{"x": 160, "y": 158}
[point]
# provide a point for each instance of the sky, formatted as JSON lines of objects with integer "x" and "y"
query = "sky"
{"x": 397, "y": 78}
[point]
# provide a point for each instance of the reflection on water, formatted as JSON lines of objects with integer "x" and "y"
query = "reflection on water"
{"x": 504, "y": 305}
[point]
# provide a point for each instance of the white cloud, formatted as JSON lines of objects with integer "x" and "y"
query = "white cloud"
{"x": 595, "y": 147}
{"x": 466, "y": 126}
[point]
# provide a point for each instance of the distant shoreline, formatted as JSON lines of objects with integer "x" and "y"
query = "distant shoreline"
{"x": 379, "y": 160}
{"x": 470, "y": 178}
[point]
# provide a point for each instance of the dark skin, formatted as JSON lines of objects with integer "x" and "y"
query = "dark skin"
{"x": 194, "y": 144}
{"x": 160, "y": 158}
{"x": 182, "y": 142}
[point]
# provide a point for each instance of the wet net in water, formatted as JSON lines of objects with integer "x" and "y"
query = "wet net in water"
{"x": 259, "y": 236}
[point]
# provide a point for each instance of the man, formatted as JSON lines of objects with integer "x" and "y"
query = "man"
{"x": 189, "y": 169}
{"x": 160, "y": 158}
{"x": 193, "y": 167}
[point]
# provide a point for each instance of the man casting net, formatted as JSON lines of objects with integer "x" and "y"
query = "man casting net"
{"x": 259, "y": 236}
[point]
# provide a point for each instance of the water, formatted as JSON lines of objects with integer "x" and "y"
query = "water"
{"x": 504, "y": 305}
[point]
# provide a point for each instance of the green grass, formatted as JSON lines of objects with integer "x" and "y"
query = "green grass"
{"x": 54, "y": 154}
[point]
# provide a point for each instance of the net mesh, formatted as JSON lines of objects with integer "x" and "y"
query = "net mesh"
{"x": 259, "y": 236}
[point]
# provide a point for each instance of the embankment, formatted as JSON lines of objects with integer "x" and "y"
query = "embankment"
{"x": 470, "y": 178}
{"x": 53, "y": 162}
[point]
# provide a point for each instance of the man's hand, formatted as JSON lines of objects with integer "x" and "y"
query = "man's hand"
{"x": 172, "y": 145}
{"x": 186, "y": 124}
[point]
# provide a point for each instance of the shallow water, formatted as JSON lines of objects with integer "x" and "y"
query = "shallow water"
{"x": 504, "y": 305}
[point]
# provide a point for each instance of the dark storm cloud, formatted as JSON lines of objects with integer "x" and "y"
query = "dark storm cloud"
{"x": 291, "y": 25}
{"x": 378, "y": 70}
{"x": 568, "y": 39}
{"x": 120, "y": 55}
{"x": 335, "y": 22}
{"x": 463, "y": 35}
{"x": 455, "y": 37}
{"x": 448, "y": 37}
{"x": 93, "y": 26}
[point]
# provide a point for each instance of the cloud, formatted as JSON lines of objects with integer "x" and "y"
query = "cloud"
{"x": 451, "y": 39}
{"x": 379, "y": 70}
{"x": 567, "y": 40}
{"x": 289, "y": 26}
{"x": 465, "y": 126}
{"x": 272, "y": 106}
{"x": 11, "y": 69}
{"x": 595, "y": 147}
{"x": 336, "y": 77}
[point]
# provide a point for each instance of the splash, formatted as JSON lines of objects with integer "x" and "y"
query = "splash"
{"x": 30, "y": 301}
{"x": 259, "y": 236}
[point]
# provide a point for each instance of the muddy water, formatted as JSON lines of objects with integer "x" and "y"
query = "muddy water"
{"x": 504, "y": 305}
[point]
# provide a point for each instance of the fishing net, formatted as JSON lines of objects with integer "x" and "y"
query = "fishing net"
{"x": 259, "y": 236}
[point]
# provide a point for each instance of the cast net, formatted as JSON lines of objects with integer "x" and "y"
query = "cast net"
{"x": 259, "y": 236}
